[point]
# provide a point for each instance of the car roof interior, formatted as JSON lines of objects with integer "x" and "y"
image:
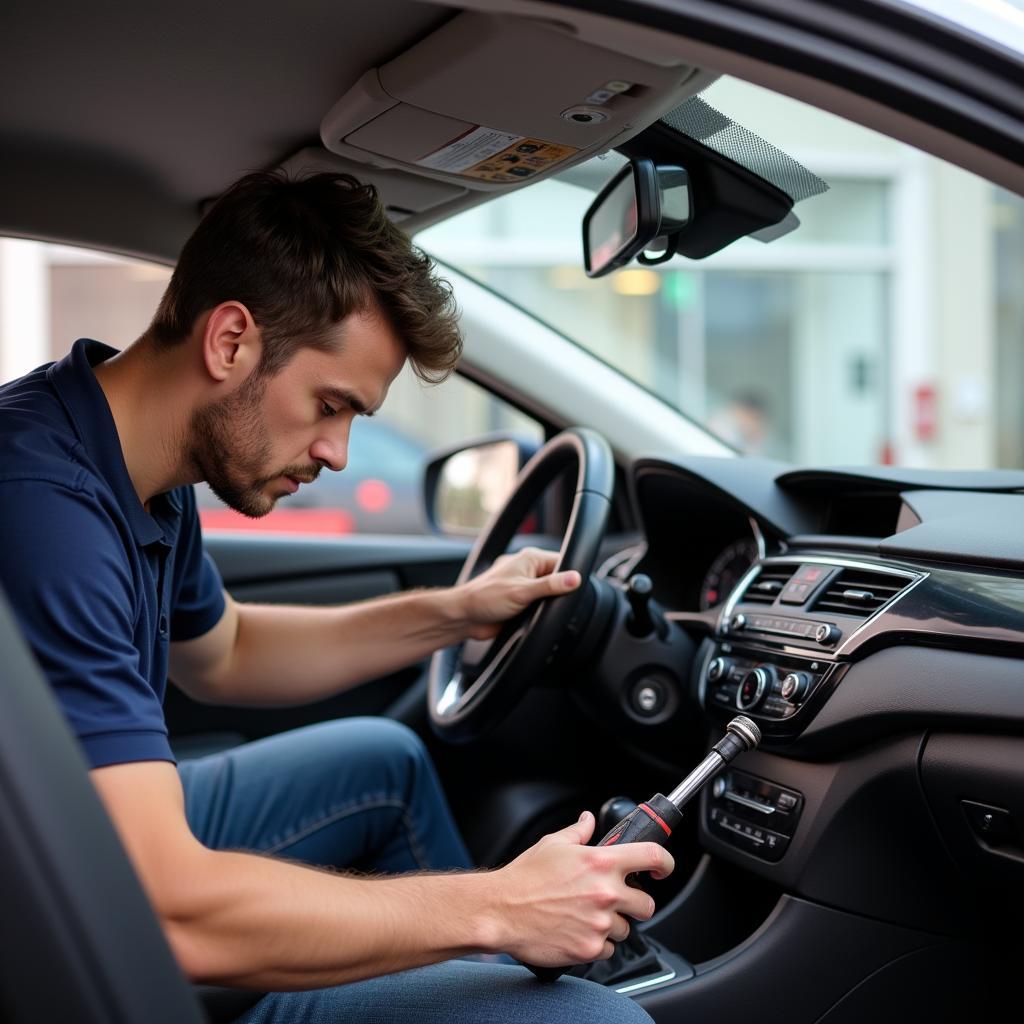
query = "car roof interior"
{"x": 404, "y": 84}
{"x": 131, "y": 118}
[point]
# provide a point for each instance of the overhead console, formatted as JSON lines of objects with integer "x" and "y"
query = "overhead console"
{"x": 490, "y": 102}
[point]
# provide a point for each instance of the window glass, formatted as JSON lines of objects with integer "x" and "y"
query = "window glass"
{"x": 887, "y": 328}
{"x": 381, "y": 488}
{"x": 50, "y": 295}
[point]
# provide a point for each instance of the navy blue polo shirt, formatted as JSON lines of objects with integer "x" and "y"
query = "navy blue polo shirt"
{"x": 99, "y": 585}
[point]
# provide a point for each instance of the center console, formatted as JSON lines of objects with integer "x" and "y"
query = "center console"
{"x": 787, "y": 634}
{"x": 752, "y": 814}
{"x": 783, "y": 642}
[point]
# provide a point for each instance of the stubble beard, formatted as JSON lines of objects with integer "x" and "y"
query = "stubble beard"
{"x": 230, "y": 448}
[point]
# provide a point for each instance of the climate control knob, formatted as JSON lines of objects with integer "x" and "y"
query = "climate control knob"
{"x": 718, "y": 669}
{"x": 753, "y": 688}
{"x": 795, "y": 686}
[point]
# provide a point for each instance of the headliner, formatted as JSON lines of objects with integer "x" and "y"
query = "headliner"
{"x": 149, "y": 110}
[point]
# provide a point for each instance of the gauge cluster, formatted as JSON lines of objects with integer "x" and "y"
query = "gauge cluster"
{"x": 726, "y": 570}
{"x": 699, "y": 542}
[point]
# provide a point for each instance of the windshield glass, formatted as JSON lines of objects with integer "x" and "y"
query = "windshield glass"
{"x": 1001, "y": 22}
{"x": 887, "y": 328}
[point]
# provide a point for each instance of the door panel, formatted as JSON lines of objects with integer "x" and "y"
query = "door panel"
{"x": 293, "y": 570}
{"x": 337, "y": 588}
{"x": 253, "y": 559}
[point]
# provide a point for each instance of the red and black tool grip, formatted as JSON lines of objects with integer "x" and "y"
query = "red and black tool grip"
{"x": 650, "y": 822}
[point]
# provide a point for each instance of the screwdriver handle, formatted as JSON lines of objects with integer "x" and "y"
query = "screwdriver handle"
{"x": 650, "y": 822}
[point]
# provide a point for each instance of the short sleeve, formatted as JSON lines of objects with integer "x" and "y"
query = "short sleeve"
{"x": 66, "y": 572}
{"x": 198, "y": 588}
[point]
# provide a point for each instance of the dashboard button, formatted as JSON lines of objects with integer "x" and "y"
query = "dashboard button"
{"x": 777, "y": 707}
{"x": 811, "y": 573}
{"x": 774, "y": 846}
{"x": 786, "y": 801}
{"x": 649, "y": 697}
{"x": 795, "y": 593}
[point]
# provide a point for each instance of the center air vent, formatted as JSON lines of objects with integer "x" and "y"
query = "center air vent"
{"x": 860, "y": 592}
{"x": 768, "y": 584}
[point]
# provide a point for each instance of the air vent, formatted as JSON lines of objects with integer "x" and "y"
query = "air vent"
{"x": 860, "y": 592}
{"x": 768, "y": 584}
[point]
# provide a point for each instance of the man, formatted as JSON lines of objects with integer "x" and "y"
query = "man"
{"x": 292, "y": 308}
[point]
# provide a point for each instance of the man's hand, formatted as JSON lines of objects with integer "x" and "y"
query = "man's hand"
{"x": 562, "y": 902}
{"x": 511, "y": 584}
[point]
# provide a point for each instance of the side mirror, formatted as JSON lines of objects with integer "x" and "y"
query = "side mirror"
{"x": 463, "y": 486}
{"x": 644, "y": 207}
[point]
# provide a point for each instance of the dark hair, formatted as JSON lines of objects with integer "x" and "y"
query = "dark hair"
{"x": 303, "y": 254}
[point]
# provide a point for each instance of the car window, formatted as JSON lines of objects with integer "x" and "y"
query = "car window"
{"x": 52, "y": 294}
{"x": 381, "y": 488}
{"x": 841, "y": 342}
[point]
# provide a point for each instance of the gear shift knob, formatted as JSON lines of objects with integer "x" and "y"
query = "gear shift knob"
{"x": 613, "y": 810}
{"x": 638, "y": 592}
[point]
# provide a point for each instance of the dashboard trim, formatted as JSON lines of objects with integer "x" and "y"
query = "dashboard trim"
{"x": 755, "y": 529}
{"x": 914, "y": 577}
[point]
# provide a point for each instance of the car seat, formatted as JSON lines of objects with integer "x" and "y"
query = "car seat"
{"x": 80, "y": 941}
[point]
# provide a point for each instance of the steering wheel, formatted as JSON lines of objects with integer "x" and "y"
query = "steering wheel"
{"x": 475, "y": 684}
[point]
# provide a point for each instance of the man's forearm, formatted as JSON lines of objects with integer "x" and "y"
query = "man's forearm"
{"x": 263, "y": 923}
{"x": 255, "y": 921}
{"x": 268, "y": 654}
{"x": 289, "y": 655}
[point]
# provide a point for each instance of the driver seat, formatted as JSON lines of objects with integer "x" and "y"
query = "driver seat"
{"x": 80, "y": 940}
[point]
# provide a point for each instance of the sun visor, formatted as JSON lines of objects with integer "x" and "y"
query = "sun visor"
{"x": 403, "y": 194}
{"x": 489, "y": 102}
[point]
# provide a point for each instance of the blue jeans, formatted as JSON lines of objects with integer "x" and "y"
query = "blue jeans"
{"x": 362, "y": 793}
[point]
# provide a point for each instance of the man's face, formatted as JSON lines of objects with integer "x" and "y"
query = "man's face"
{"x": 269, "y": 435}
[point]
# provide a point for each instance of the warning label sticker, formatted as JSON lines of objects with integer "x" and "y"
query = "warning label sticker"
{"x": 491, "y": 155}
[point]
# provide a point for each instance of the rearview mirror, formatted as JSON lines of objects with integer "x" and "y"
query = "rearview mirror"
{"x": 643, "y": 208}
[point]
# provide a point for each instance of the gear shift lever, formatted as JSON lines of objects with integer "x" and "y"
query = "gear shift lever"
{"x": 655, "y": 820}
{"x": 613, "y": 810}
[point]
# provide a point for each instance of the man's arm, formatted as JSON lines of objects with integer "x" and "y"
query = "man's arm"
{"x": 274, "y": 654}
{"x": 247, "y": 920}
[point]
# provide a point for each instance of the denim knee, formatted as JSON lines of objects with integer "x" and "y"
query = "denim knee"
{"x": 401, "y": 738}
{"x": 395, "y": 743}
{"x": 598, "y": 1005}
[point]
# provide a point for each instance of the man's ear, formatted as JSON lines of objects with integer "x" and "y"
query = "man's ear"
{"x": 231, "y": 344}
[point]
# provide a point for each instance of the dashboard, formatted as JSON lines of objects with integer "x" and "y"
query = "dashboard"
{"x": 726, "y": 570}
{"x": 872, "y": 624}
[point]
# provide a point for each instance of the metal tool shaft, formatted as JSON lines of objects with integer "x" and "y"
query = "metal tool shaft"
{"x": 741, "y": 734}
{"x": 707, "y": 769}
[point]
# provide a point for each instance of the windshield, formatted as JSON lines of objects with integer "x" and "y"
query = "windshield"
{"x": 1000, "y": 22}
{"x": 887, "y": 328}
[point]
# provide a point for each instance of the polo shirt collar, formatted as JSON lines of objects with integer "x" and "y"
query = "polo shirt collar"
{"x": 83, "y": 398}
